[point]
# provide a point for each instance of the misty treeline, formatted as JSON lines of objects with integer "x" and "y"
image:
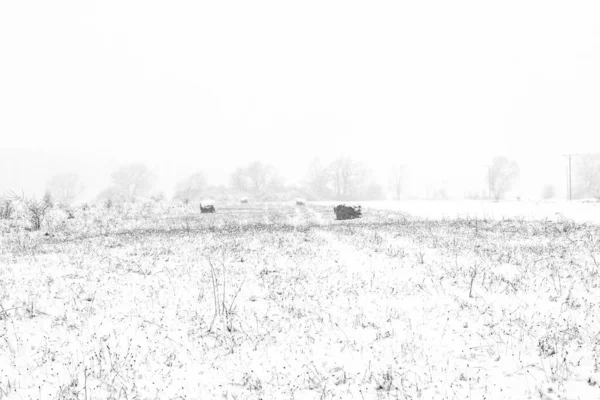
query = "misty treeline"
{"x": 344, "y": 178}
{"x": 587, "y": 175}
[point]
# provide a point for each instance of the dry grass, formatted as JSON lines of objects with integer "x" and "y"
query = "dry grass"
{"x": 277, "y": 301}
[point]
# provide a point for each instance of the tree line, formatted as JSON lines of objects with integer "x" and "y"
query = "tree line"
{"x": 345, "y": 178}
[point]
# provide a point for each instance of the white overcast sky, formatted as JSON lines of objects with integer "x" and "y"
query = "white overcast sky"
{"x": 186, "y": 85}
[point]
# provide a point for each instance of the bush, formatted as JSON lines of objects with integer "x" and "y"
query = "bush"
{"x": 6, "y": 209}
{"x": 300, "y": 202}
{"x": 47, "y": 199}
{"x": 36, "y": 212}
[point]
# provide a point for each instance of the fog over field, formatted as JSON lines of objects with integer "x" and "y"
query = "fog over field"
{"x": 31, "y": 169}
{"x": 193, "y": 86}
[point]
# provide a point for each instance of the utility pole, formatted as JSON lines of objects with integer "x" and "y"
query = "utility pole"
{"x": 569, "y": 185}
{"x": 490, "y": 181}
{"x": 570, "y": 181}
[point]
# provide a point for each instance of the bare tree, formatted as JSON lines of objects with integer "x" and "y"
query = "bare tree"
{"x": 318, "y": 179}
{"x": 347, "y": 175}
{"x": 397, "y": 179}
{"x": 372, "y": 191}
{"x": 35, "y": 210}
{"x": 259, "y": 175}
{"x": 502, "y": 174}
{"x": 239, "y": 180}
{"x": 589, "y": 174}
{"x": 256, "y": 177}
{"x": 133, "y": 180}
{"x": 48, "y": 199}
{"x": 65, "y": 187}
{"x": 190, "y": 188}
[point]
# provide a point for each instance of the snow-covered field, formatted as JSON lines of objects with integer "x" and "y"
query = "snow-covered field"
{"x": 578, "y": 211}
{"x": 277, "y": 301}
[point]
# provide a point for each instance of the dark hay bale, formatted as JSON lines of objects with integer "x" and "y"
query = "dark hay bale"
{"x": 207, "y": 209}
{"x": 343, "y": 212}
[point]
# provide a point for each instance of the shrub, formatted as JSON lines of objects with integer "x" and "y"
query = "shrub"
{"x": 300, "y": 202}
{"x": 36, "y": 212}
{"x": 6, "y": 209}
{"x": 244, "y": 200}
{"x": 47, "y": 199}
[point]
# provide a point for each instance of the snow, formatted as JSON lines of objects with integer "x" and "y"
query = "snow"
{"x": 484, "y": 209}
{"x": 279, "y": 301}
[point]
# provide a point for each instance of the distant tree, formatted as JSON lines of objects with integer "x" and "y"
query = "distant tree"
{"x": 133, "y": 180}
{"x": 190, "y": 188}
{"x": 439, "y": 194}
{"x": 397, "y": 179}
{"x": 472, "y": 195}
{"x": 347, "y": 175}
{"x": 48, "y": 199}
{"x": 372, "y": 191}
{"x": 589, "y": 174}
{"x": 502, "y": 175}
{"x": 256, "y": 177}
{"x": 65, "y": 187}
{"x": 259, "y": 175}
{"x": 548, "y": 192}
{"x": 317, "y": 179}
{"x": 111, "y": 195}
{"x": 239, "y": 180}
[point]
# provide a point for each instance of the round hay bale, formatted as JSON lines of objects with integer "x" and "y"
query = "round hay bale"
{"x": 208, "y": 209}
{"x": 343, "y": 212}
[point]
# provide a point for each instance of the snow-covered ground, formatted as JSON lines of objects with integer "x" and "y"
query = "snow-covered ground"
{"x": 277, "y": 301}
{"x": 554, "y": 210}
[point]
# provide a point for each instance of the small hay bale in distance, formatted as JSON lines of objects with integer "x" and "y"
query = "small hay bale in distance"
{"x": 300, "y": 202}
{"x": 343, "y": 212}
{"x": 244, "y": 200}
